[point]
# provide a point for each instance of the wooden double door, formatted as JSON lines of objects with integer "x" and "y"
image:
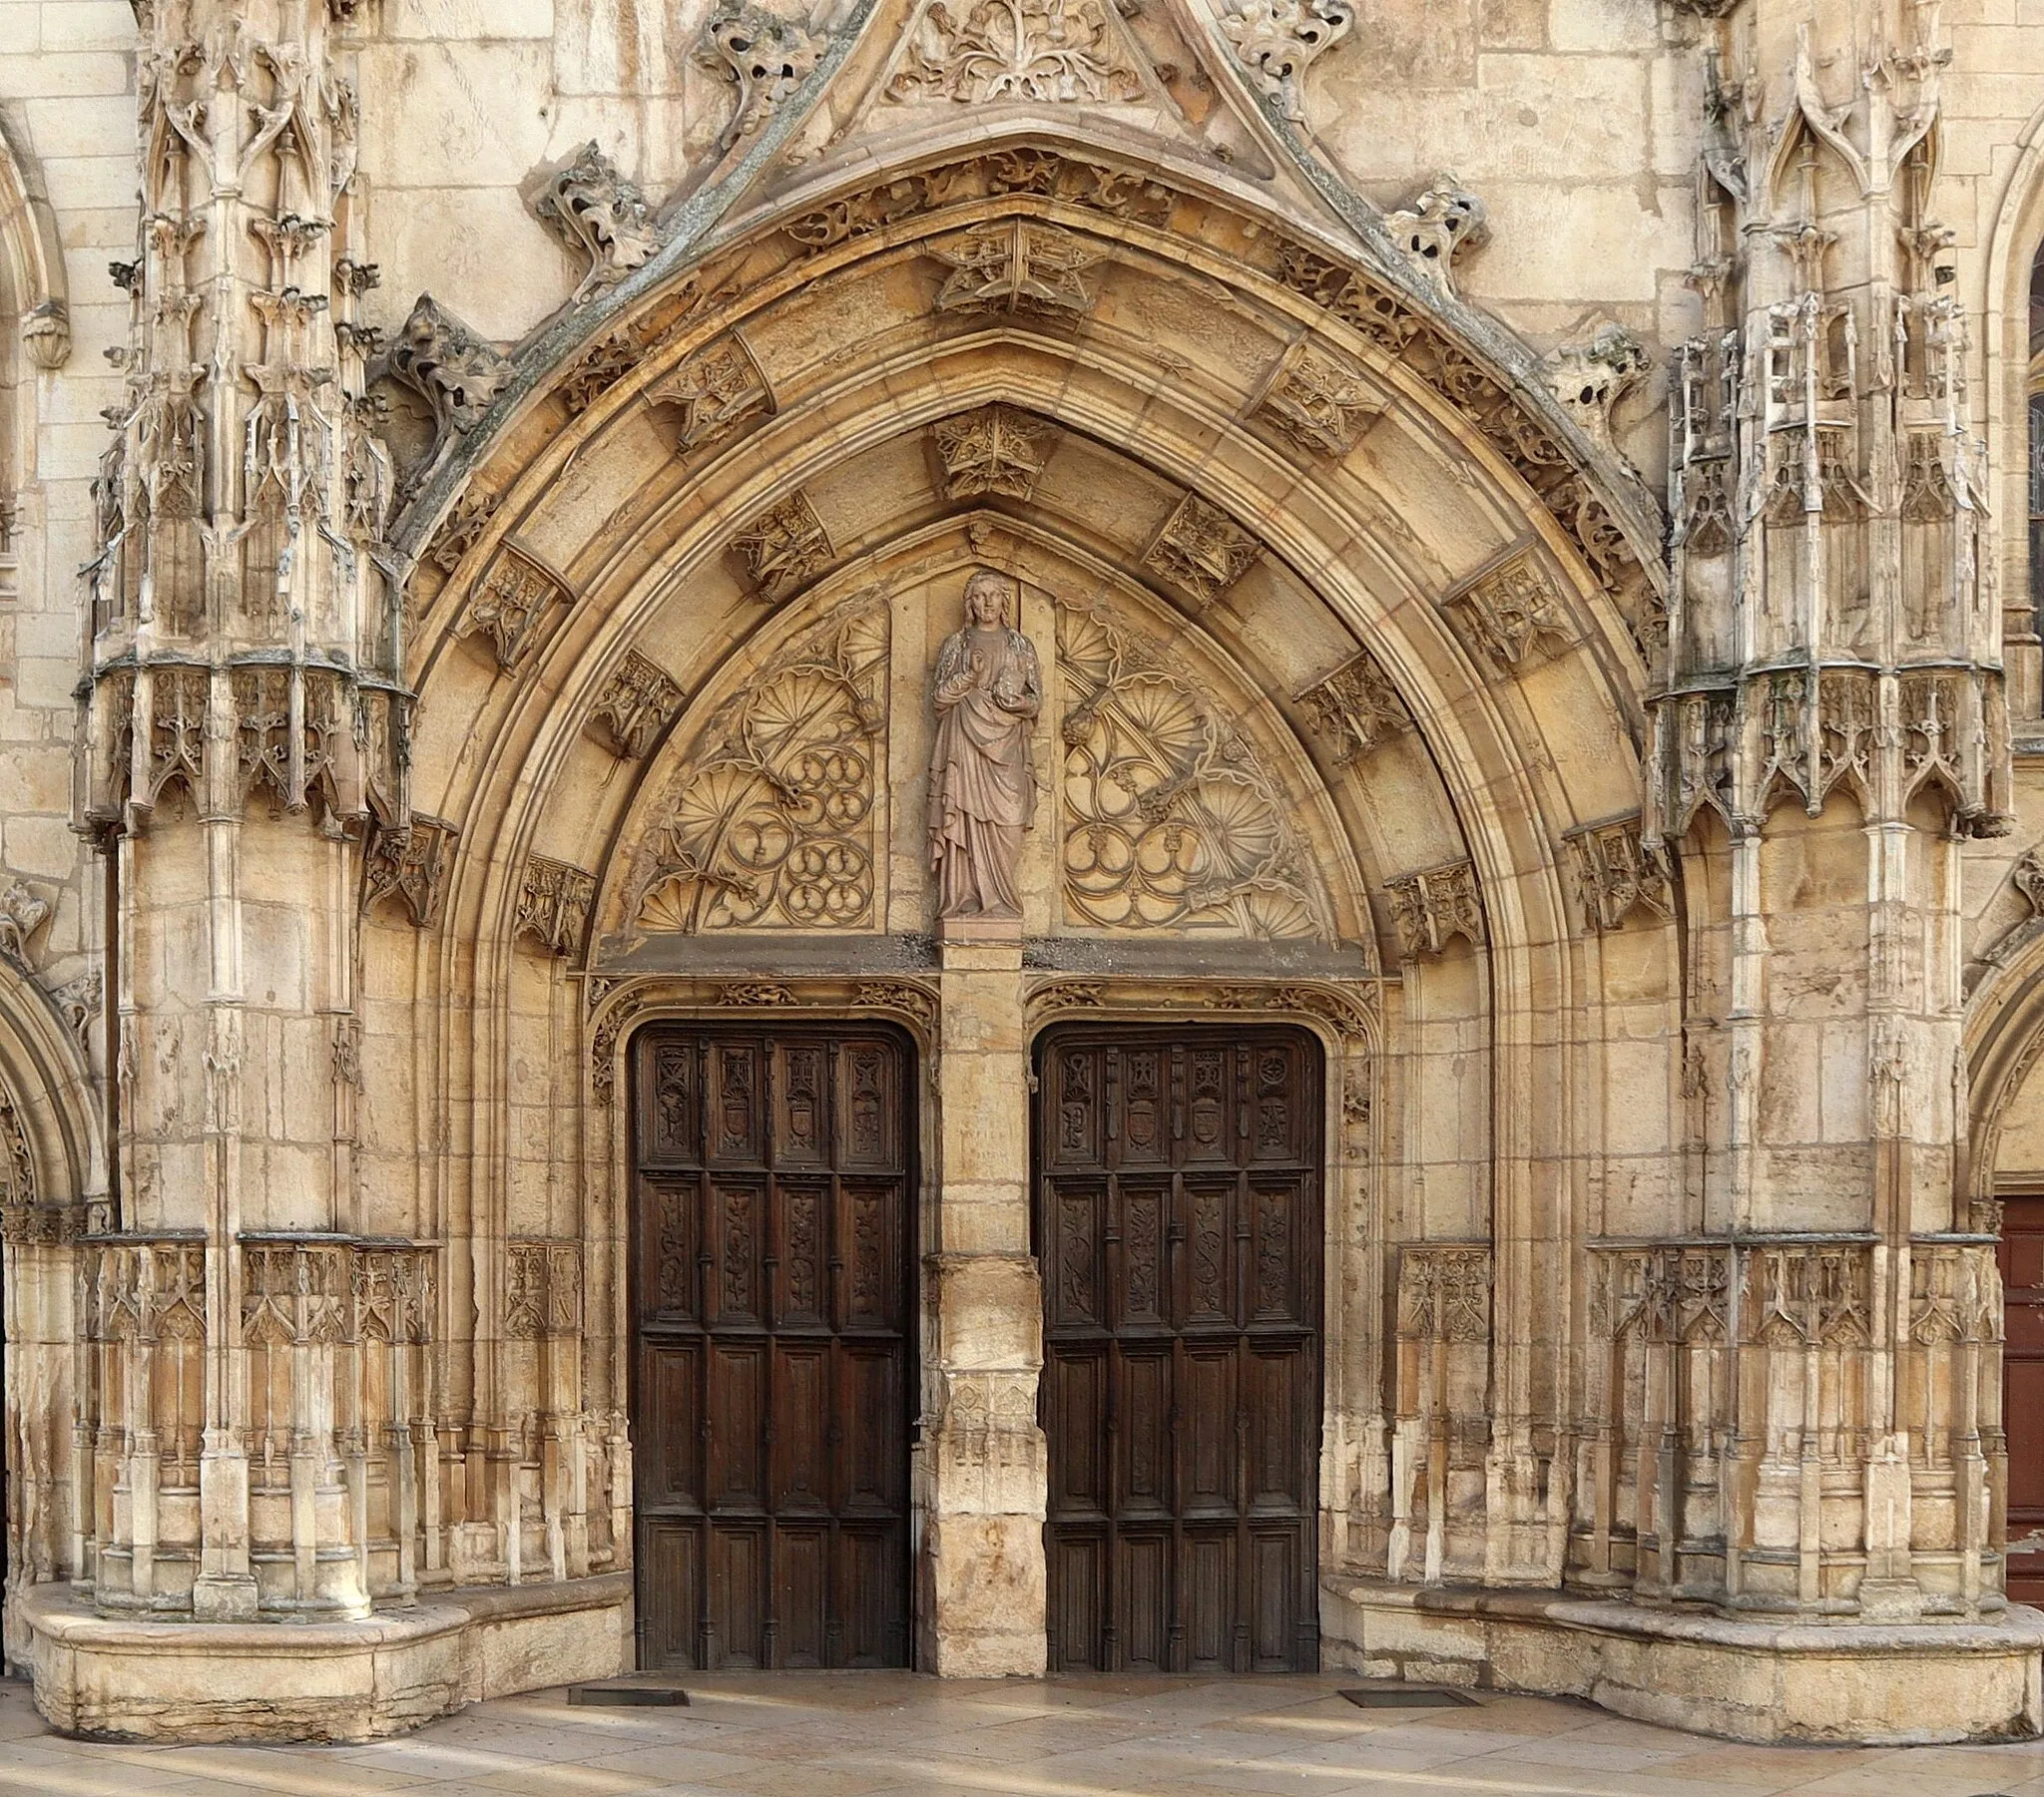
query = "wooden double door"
{"x": 1178, "y": 1217}
{"x": 772, "y": 1304}
{"x": 2021, "y": 1255}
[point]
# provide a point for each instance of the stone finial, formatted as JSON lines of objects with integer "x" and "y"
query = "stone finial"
{"x": 453, "y": 369}
{"x": 22, "y": 913}
{"x": 1442, "y": 222}
{"x": 1278, "y": 40}
{"x": 595, "y": 210}
{"x": 1591, "y": 378}
{"x": 767, "y": 59}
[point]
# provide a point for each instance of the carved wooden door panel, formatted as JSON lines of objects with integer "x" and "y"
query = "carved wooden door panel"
{"x": 773, "y": 1297}
{"x": 2021, "y": 1255}
{"x": 1178, "y": 1218}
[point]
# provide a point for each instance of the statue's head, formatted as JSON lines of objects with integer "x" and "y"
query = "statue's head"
{"x": 986, "y": 598}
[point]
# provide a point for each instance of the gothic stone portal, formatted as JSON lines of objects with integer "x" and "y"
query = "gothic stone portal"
{"x": 772, "y": 1304}
{"x": 1177, "y": 1215}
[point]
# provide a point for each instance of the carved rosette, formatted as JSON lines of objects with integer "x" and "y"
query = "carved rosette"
{"x": 1434, "y": 907}
{"x": 554, "y": 902}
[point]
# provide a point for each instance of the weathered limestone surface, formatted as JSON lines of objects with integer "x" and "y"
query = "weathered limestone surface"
{"x": 1518, "y": 507}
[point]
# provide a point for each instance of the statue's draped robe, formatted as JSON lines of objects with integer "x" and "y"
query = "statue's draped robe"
{"x": 982, "y": 784}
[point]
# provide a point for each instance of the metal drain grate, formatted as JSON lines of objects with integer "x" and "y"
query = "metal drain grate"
{"x": 650, "y": 1696}
{"x": 1409, "y": 1696}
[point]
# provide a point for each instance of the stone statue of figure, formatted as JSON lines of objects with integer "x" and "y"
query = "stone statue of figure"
{"x": 987, "y": 693}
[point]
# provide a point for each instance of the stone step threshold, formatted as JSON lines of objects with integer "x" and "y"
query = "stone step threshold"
{"x": 121, "y": 1678}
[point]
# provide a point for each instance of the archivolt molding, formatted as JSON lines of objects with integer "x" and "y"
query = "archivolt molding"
{"x": 52, "y": 1160}
{"x": 2003, "y": 1041}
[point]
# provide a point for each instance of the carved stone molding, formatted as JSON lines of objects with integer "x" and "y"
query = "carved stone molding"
{"x": 17, "y": 1159}
{"x": 766, "y": 58}
{"x": 1438, "y": 227}
{"x": 511, "y": 604}
{"x": 1035, "y": 49}
{"x": 715, "y": 390}
{"x": 1350, "y": 1008}
{"x": 554, "y": 902}
{"x": 1444, "y": 1292}
{"x": 409, "y": 863}
{"x": 1320, "y": 400}
{"x": 1504, "y": 613}
{"x": 782, "y": 548}
{"x": 1016, "y": 266}
{"x": 449, "y": 365}
{"x": 1277, "y": 41}
{"x": 637, "y": 704}
{"x": 1171, "y": 819}
{"x": 627, "y": 1002}
{"x": 1436, "y": 906}
{"x": 1590, "y": 378}
{"x": 23, "y": 913}
{"x": 1202, "y": 551}
{"x": 770, "y": 819}
{"x": 996, "y": 451}
{"x": 542, "y": 1288}
{"x": 1616, "y": 874}
{"x": 1355, "y": 707}
{"x": 597, "y": 369}
{"x": 596, "y": 211}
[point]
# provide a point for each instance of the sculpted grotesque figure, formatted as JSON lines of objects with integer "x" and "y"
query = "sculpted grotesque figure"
{"x": 987, "y": 693}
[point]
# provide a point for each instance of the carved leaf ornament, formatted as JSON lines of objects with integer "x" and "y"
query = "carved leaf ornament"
{"x": 772, "y": 822}
{"x": 1170, "y": 821}
{"x": 1035, "y": 49}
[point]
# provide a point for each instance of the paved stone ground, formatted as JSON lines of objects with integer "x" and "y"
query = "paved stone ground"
{"x": 883, "y": 1734}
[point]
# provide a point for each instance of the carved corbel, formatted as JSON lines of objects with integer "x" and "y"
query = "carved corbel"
{"x": 996, "y": 450}
{"x": 1434, "y": 907}
{"x": 1014, "y": 266}
{"x": 554, "y": 902}
{"x": 1505, "y": 612}
{"x": 595, "y": 210}
{"x": 1355, "y": 707}
{"x": 1277, "y": 41}
{"x": 1616, "y": 873}
{"x": 1438, "y": 227}
{"x": 409, "y": 863}
{"x": 637, "y": 703}
{"x": 447, "y": 364}
{"x": 766, "y": 58}
{"x": 1202, "y": 550}
{"x": 46, "y": 334}
{"x": 1320, "y": 400}
{"x": 510, "y": 604}
{"x": 782, "y": 547}
{"x": 715, "y": 390}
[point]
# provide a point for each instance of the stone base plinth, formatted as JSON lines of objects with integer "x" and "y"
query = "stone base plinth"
{"x": 1881, "y": 1685}
{"x": 328, "y": 1682}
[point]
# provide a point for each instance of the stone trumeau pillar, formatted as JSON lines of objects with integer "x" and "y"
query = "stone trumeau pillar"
{"x": 1832, "y": 725}
{"x": 244, "y": 713}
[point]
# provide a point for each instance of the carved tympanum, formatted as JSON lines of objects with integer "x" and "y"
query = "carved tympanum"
{"x": 1170, "y": 821}
{"x": 987, "y": 690}
{"x": 772, "y": 820}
